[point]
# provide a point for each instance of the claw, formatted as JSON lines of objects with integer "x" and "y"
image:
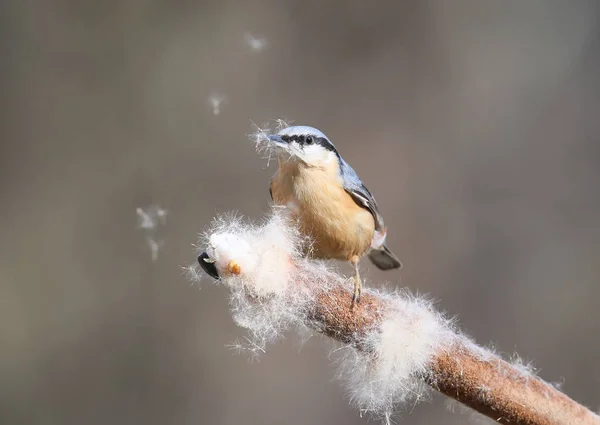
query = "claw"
{"x": 357, "y": 282}
{"x": 357, "y": 289}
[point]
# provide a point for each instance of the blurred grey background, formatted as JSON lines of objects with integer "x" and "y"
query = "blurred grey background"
{"x": 474, "y": 123}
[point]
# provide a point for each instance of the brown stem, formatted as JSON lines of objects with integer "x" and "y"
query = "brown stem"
{"x": 489, "y": 385}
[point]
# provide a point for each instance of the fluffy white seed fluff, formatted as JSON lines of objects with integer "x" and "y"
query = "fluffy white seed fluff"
{"x": 260, "y": 265}
{"x": 256, "y": 43}
{"x": 402, "y": 348}
{"x": 262, "y": 143}
{"x": 271, "y": 293}
{"x": 150, "y": 217}
{"x": 215, "y": 101}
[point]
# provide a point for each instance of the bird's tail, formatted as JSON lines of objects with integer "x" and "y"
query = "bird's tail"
{"x": 384, "y": 259}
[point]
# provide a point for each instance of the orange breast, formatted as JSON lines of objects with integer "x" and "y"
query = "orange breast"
{"x": 340, "y": 229}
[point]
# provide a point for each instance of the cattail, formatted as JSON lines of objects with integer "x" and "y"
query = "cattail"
{"x": 397, "y": 345}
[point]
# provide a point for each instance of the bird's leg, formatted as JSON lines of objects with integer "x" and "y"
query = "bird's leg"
{"x": 357, "y": 283}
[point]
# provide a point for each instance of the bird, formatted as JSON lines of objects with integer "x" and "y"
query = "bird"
{"x": 328, "y": 200}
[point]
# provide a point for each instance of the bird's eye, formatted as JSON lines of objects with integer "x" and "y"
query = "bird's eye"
{"x": 309, "y": 140}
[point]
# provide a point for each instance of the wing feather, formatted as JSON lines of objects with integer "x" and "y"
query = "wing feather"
{"x": 360, "y": 194}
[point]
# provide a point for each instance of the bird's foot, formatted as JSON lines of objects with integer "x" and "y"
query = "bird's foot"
{"x": 357, "y": 289}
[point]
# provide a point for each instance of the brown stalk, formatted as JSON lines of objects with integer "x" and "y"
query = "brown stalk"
{"x": 462, "y": 371}
{"x": 490, "y": 386}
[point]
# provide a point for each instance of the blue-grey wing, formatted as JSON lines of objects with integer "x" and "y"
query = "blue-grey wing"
{"x": 359, "y": 192}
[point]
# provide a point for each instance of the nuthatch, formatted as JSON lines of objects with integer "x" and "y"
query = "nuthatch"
{"x": 330, "y": 202}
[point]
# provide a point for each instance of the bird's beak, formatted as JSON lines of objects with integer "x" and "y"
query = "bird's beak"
{"x": 277, "y": 140}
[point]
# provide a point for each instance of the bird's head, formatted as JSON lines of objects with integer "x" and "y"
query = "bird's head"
{"x": 303, "y": 144}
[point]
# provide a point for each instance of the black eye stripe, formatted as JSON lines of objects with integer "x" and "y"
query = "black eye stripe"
{"x": 301, "y": 139}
